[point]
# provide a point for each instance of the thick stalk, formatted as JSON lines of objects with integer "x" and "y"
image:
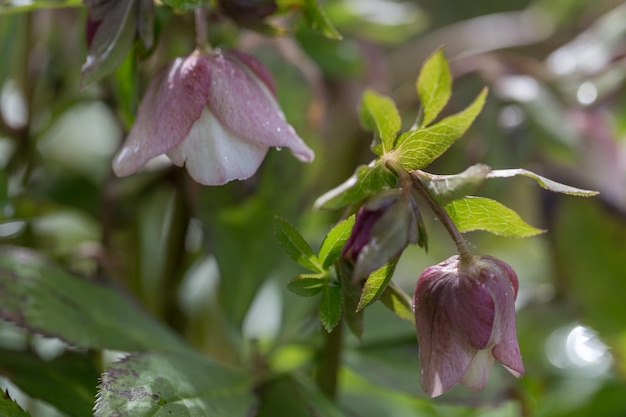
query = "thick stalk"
{"x": 328, "y": 368}
{"x": 202, "y": 43}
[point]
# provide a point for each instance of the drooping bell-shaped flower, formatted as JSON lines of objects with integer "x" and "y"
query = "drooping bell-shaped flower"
{"x": 214, "y": 113}
{"x": 385, "y": 224}
{"x": 465, "y": 318}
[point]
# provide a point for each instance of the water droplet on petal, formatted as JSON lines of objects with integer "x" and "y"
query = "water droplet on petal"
{"x": 278, "y": 148}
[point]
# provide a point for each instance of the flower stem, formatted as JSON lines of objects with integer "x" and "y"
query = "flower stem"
{"x": 443, "y": 216}
{"x": 328, "y": 368}
{"x": 202, "y": 42}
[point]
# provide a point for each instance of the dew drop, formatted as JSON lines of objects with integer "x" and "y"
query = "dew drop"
{"x": 278, "y": 148}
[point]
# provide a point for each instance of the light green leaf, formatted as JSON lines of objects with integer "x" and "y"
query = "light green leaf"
{"x": 334, "y": 242}
{"x": 173, "y": 384}
{"x": 12, "y": 6}
{"x": 318, "y": 20}
{"x": 418, "y": 148}
{"x": 295, "y": 245}
{"x": 330, "y": 306}
{"x": 376, "y": 284}
{"x": 366, "y": 181}
{"x": 479, "y": 213}
{"x": 434, "y": 86}
{"x": 446, "y": 188}
{"x": 379, "y": 113}
{"x": 396, "y": 300}
{"x": 307, "y": 285}
{"x": 43, "y": 298}
{"x": 111, "y": 43}
{"x": 67, "y": 382}
{"x": 9, "y": 408}
{"x": 543, "y": 182}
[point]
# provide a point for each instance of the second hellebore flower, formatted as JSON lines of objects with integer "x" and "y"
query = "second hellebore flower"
{"x": 214, "y": 113}
{"x": 465, "y": 318}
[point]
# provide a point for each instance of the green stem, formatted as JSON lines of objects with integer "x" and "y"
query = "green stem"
{"x": 442, "y": 215}
{"x": 202, "y": 43}
{"x": 328, "y": 368}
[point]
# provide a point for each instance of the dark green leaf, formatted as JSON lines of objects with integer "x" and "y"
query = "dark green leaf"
{"x": 479, "y": 213}
{"x": 307, "y": 285}
{"x": 396, "y": 300}
{"x": 334, "y": 242}
{"x": 330, "y": 306}
{"x": 40, "y": 296}
{"x": 376, "y": 284}
{"x": 111, "y": 43}
{"x": 379, "y": 114}
{"x": 434, "y": 86}
{"x": 173, "y": 384}
{"x": 350, "y": 294}
{"x": 67, "y": 382}
{"x": 543, "y": 182}
{"x": 318, "y": 21}
{"x": 418, "y": 148}
{"x": 366, "y": 181}
{"x": 295, "y": 245}
{"x": 9, "y": 408}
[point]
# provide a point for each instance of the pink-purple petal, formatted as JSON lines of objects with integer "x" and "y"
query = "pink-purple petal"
{"x": 255, "y": 66}
{"x": 214, "y": 156}
{"x": 244, "y": 106}
{"x": 173, "y": 102}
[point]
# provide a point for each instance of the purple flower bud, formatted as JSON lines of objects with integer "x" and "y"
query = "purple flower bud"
{"x": 214, "y": 113}
{"x": 384, "y": 226}
{"x": 465, "y": 318}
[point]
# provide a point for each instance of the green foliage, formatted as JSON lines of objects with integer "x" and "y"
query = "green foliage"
{"x": 9, "y": 408}
{"x": 295, "y": 246}
{"x": 335, "y": 240}
{"x": 173, "y": 384}
{"x": 183, "y": 4}
{"x": 318, "y": 20}
{"x": 330, "y": 306}
{"x": 379, "y": 114}
{"x": 434, "y": 86}
{"x": 479, "y": 213}
{"x": 398, "y": 302}
{"x": 11, "y": 6}
{"x": 307, "y": 285}
{"x": 543, "y": 182}
{"x": 376, "y": 284}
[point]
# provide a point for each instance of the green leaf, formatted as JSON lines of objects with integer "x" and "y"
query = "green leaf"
{"x": 379, "y": 113}
{"x": 366, "y": 181}
{"x": 307, "y": 285}
{"x": 330, "y": 306}
{"x": 543, "y": 182}
{"x": 434, "y": 86}
{"x": 376, "y": 284}
{"x": 334, "y": 242}
{"x": 295, "y": 245}
{"x": 10, "y": 6}
{"x": 173, "y": 384}
{"x": 447, "y": 188}
{"x": 479, "y": 213}
{"x": 43, "y": 298}
{"x": 350, "y": 294}
{"x": 396, "y": 300}
{"x": 67, "y": 382}
{"x": 418, "y": 148}
{"x": 9, "y": 408}
{"x": 318, "y": 20}
{"x": 111, "y": 43}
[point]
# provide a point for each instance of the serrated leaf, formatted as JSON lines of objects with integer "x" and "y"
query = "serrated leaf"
{"x": 350, "y": 295}
{"x": 366, "y": 181}
{"x": 318, "y": 20}
{"x": 334, "y": 242}
{"x": 379, "y": 114}
{"x": 111, "y": 42}
{"x": 43, "y": 298}
{"x": 9, "y": 408}
{"x": 307, "y": 285}
{"x": 479, "y": 213}
{"x": 396, "y": 300}
{"x": 434, "y": 86}
{"x": 376, "y": 284}
{"x": 295, "y": 246}
{"x": 173, "y": 384}
{"x": 543, "y": 182}
{"x": 330, "y": 306}
{"x": 447, "y": 188}
{"x": 418, "y": 148}
{"x": 67, "y": 382}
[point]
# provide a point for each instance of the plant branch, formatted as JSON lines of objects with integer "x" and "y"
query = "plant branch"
{"x": 328, "y": 367}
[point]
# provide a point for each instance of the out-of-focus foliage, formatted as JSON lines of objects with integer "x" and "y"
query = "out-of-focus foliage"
{"x": 207, "y": 285}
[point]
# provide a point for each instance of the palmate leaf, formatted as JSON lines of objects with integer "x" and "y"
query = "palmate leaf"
{"x": 43, "y": 298}
{"x": 434, "y": 86}
{"x": 479, "y": 213}
{"x": 418, "y": 148}
{"x": 173, "y": 384}
{"x": 9, "y": 408}
{"x": 379, "y": 114}
{"x": 294, "y": 244}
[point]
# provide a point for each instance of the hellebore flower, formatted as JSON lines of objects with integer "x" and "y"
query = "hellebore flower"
{"x": 384, "y": 226}
{"x": 215, "y": 113}
{"x": 465, "y": 318}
